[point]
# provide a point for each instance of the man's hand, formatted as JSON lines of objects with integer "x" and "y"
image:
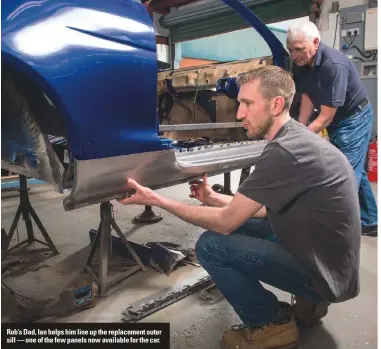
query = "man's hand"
{"x": 142, "y": 195}
{"x": 238, "y": 210}
{"x": 323, "y": 120}
{"x": 201, "y": 190}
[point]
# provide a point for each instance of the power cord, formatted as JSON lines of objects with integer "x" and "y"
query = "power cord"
{"x": 365, "y": 57}
{"x": 349, "y": 43}
{"x": 337, "y": 21}
{"x": 362, "y": 53}
{"x": 359, "y": 58}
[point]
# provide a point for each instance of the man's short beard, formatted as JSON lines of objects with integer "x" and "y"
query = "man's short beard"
{"x": 263, "y": 129}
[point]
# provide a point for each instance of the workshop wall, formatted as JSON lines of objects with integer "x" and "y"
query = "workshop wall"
{"x": 334, "y": 27}
{"x": 237, "y": 45}
{"x": 361, "y": 48}
{"x": 212, "y": 17}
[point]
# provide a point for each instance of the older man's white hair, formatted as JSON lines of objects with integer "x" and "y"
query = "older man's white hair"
{"x": 303, "y": 30}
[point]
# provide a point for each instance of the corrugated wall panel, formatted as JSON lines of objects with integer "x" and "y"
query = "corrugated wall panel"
{"x": 268, "y": 12}
{"x": 242, "y": 44}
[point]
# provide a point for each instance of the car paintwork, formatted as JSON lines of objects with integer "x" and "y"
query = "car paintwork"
{"x": 96, "y": 60}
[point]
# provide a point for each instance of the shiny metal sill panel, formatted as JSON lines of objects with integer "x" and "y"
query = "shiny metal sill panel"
{"x": 101, "y": 180}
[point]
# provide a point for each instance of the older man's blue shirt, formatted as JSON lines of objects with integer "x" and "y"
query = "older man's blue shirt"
{"x": 332, "y": 81}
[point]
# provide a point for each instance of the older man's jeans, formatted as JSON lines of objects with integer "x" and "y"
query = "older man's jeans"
{"x": 238, "y": 262}
{"x": 352, "y": 137}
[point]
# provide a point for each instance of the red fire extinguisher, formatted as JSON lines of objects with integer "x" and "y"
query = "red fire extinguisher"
{"x": 372, "y": 161}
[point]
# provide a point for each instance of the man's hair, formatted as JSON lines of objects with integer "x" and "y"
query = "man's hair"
{"x": 304, "y": 29}
{"x": 274, "y": 81}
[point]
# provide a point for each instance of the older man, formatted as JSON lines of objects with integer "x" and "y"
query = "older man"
{"x": 329, "y": 82}
{"x": 307, "y": 241}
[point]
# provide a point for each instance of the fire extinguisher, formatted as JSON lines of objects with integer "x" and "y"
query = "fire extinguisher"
{"x": 372, "y": 161}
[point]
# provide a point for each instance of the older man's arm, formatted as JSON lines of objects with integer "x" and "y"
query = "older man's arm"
{"x": 306, "y": 109}
{"x": 323, "y": 120}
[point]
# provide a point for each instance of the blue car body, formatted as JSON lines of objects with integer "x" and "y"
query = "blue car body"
{"x": 89, "y": 57}
{"x": 95, "y": 63}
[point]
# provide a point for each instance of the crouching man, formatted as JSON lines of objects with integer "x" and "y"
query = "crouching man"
{"x": 293, "y": 224}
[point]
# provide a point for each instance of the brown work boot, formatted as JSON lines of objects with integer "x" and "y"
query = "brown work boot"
{"x": 281, "y": 333}
{"x": 307, "y": 312}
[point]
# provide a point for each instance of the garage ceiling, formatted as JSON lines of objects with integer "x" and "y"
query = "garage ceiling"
{"x": 211, "y": 17}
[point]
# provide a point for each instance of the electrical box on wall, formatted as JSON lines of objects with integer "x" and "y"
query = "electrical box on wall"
{"x": 354, "y": 17}
{"x": 368, "y": 70}
{"x": 358, "y": 40}
{"x": 370, "y": 37}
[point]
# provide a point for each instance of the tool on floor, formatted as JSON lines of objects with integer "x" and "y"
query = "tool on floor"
{"x": 148, "y": 305}
{"x": 211, "y": 294}
{"x": 84, "y": 296}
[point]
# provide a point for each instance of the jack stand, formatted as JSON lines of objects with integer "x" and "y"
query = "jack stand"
{"x": 25, "y": 208}
{"x": 104, "y": 235}
{"x": 148, "y": 216}
{"x": 227, "y": 187}
{"x": 244, "y": 174}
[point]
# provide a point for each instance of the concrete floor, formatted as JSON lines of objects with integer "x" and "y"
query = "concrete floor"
{"x": 194, "y": 324}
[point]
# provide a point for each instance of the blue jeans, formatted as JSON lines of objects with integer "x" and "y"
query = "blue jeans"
{"x": 238, "y": 262}
{"x": 352, "y": 137}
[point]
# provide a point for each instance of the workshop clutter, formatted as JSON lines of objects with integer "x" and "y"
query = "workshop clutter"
{"x": 372, "y": 161}
{"x": 79, "y": 294}
{"x": 164, "y": 257}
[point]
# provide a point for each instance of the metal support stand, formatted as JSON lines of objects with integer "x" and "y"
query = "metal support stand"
{"x": 25, "y": 208}
{"x": 104, "y": 237}
{"x": 227, "y": 186}
{"x": 148, "y": 216}
{"x": 244, "y": 174}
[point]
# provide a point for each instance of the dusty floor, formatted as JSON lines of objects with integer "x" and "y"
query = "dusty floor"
{"x": 194, "y": 324}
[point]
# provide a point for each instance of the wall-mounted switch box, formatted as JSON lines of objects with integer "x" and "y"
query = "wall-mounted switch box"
{"x": 354, "y": 17}
{"x": 370, "y": 38}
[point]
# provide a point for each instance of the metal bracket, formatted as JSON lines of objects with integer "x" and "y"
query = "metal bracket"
{"x": 203, "y": 126}
{"x": 228, "y": 86}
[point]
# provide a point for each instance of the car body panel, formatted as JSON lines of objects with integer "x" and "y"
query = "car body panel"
{"x": 156, "y": 170}
{"x": 95, "y": 62}
{"x": 25, "y": 149}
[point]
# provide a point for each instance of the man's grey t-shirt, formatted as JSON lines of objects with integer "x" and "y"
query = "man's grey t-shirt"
{"x": 309, "y": 190}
